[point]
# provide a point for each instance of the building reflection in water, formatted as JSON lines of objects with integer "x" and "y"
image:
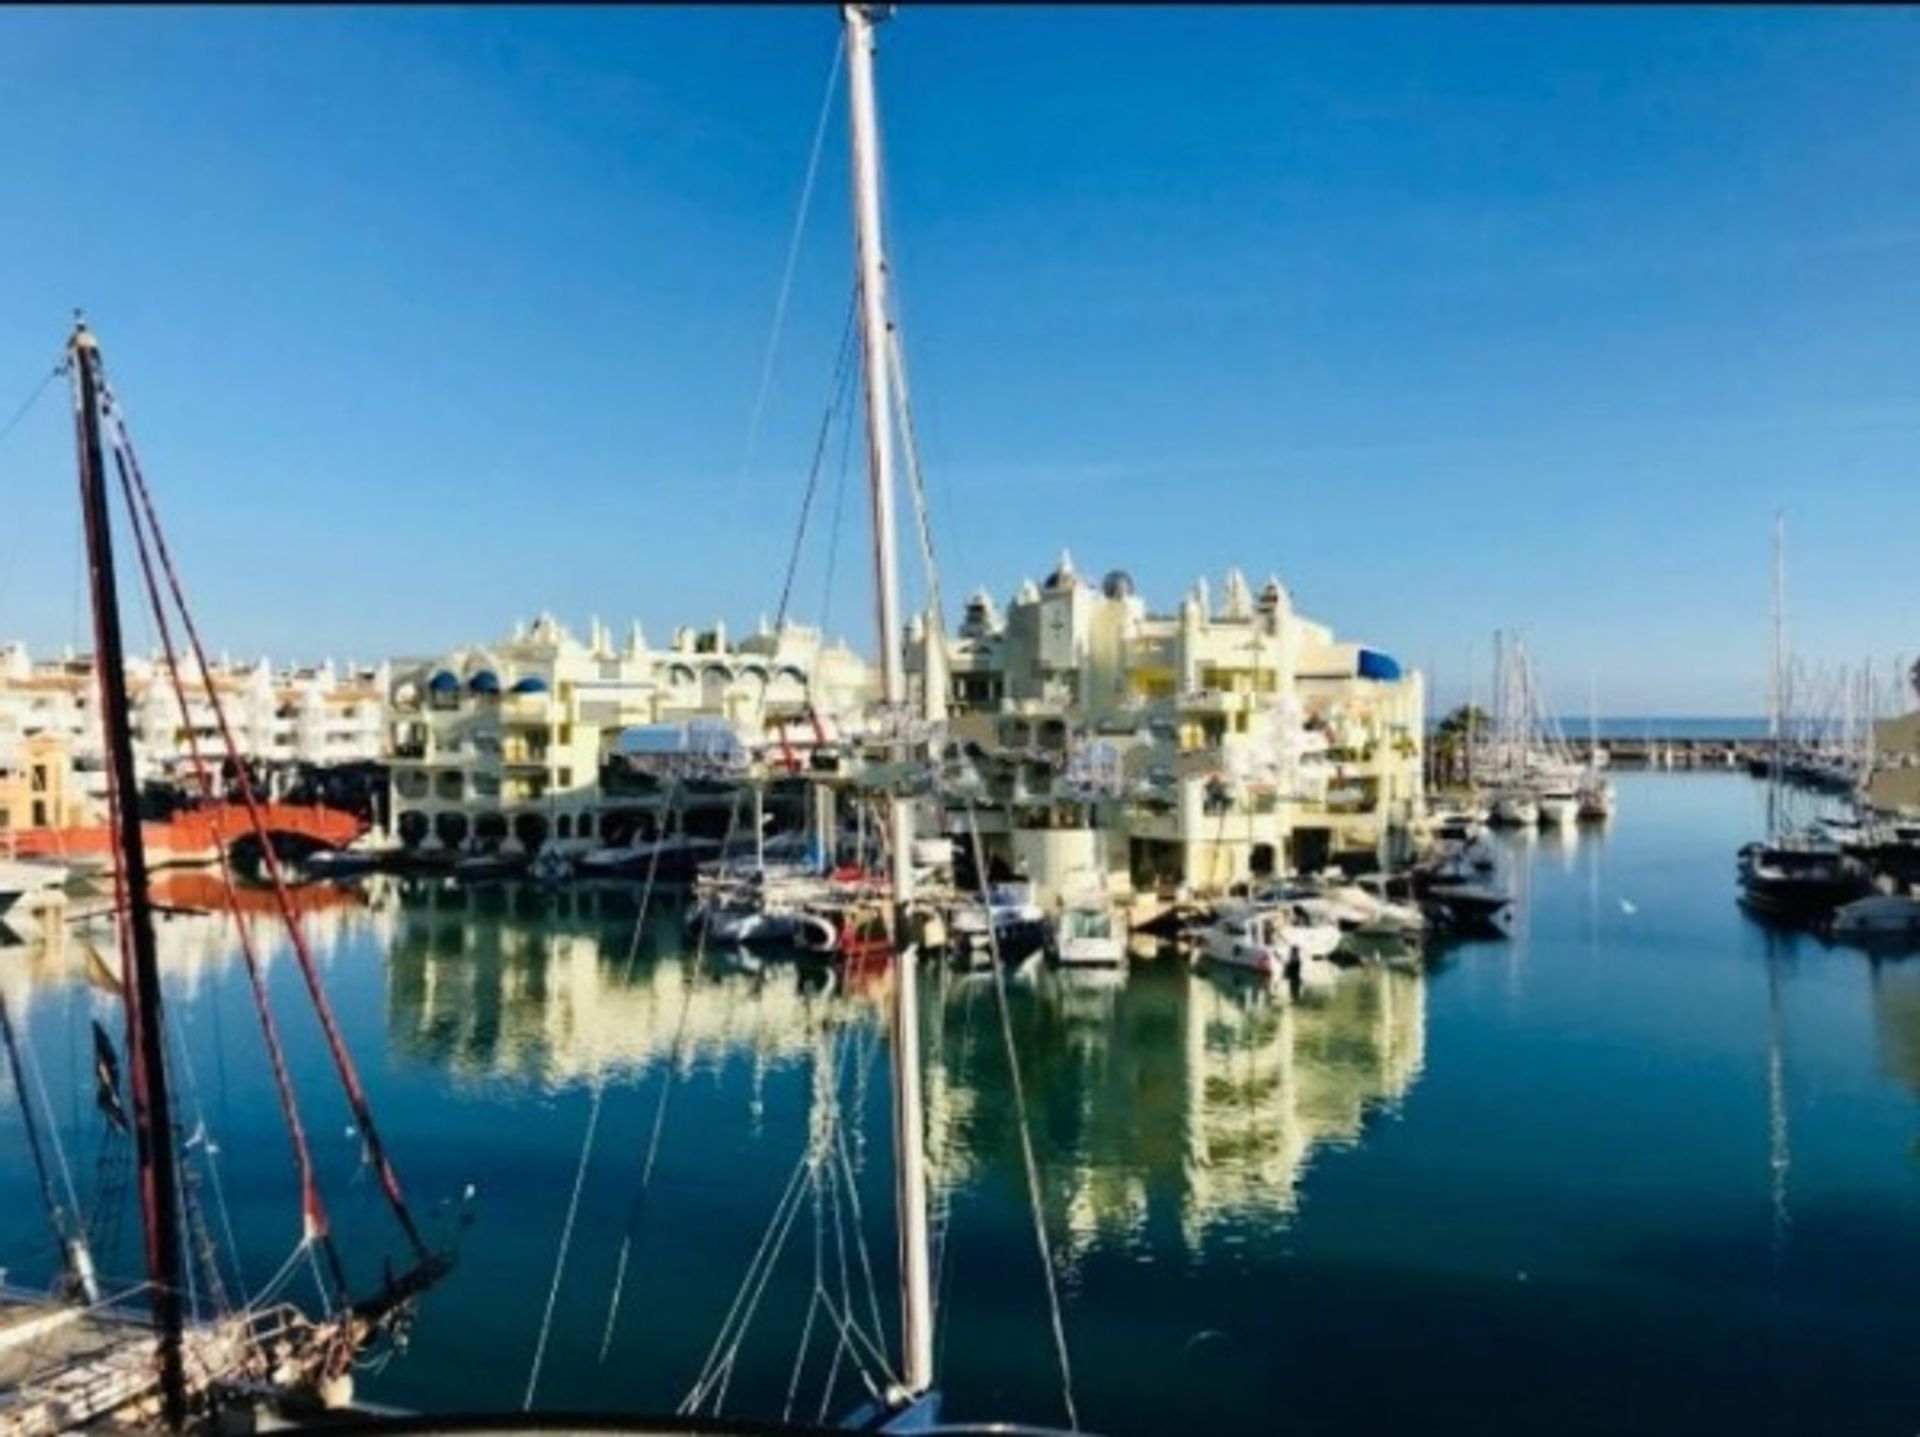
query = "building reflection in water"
{"x": 1180, "y": 1096}
{"x": 512, "y": 983}
{"x": 1185, "y": 1101}
{"x": 195, "y": 937}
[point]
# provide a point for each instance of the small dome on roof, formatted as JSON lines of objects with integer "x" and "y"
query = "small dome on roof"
{"x": 1063, "y": 576}
{"x": 1117, "y": 585}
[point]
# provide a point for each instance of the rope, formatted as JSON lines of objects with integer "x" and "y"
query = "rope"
{"x": 313, "y": 1213}
{"x": 786, "y": 276}
{"x": 336, "y": 1043}
{"x": 1034, "y": 1203}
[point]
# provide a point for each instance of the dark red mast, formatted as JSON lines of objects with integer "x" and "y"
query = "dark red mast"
{"x": 146, "y": 1037}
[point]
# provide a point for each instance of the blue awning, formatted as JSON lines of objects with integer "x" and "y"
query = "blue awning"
{"x": 531, "y": 684}
{"x": 444, "y": 682}
{"x": 1372, "y": 664}
{"x": 485, "y": 682}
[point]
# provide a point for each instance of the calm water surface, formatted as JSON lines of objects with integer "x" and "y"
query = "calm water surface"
{"x": 1641, "y": 1167}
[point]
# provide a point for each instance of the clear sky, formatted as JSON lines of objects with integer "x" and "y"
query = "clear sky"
{"x": 428, "y": 319}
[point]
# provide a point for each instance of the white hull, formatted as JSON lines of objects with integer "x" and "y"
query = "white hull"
{"x": 1515, "y": 811}
{"x": 1557, "y": 810}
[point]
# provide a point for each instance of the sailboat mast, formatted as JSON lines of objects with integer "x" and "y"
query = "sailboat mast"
{"x": 909, "y": 1121}
{"x": 146, "y": 1036}
{"x": 1776, "y": 688}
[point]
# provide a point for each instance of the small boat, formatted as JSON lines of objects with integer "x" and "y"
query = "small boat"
{"x": 847, "y": 929}
{"x": 1276, "y": 943}
{"x": 1008, "y": 920}
{"x": 1558, "y": 806}
{"x": 1598, "y": 800}
{"x": 1800, "y": 878}
{"x": 1884, "y": 915}
{"x": 1089, "y": 932}
{"x": 674, "y": 858}
{"x": 550, "y": 865}
{"x": 1460, "y": 899}
{"x": 25, "y": 881}
{"x": 1514, "y": 808}
{"x": 484, "y": 865}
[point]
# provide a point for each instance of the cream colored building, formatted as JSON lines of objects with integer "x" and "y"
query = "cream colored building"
{"x": 506, "y": 743}
{"x": 317, "y": 714}
{"x": 1194, "y": 748}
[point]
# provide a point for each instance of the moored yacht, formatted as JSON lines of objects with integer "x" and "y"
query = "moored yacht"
{"x": 1091, "y": 931}
{"x": 1514, "y": 808}
{"x": 1276, "y": 942}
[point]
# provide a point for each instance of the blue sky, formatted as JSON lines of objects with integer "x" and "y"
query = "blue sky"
{"x": 1455, "y": 319}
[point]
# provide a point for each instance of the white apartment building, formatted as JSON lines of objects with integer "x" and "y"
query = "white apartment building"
{"x": 1155, "y": 751}
{"x": 505, "y": 743}
{"x": 317, "y": 714}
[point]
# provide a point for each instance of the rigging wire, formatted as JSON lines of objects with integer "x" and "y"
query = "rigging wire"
{"x": 836, "y": 400}
{"x": 26, "y": 405}
{"x": 313, "y": 1213}
{"x": 1035, "y": 1203}
{"x": 786, "y": 276}
{"x": 675, "y": 1055}
{"x": 342, "y": 1059}
{"x": 833, "y": 533}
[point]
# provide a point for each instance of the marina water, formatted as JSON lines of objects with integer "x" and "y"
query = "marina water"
{"x": 1643, "y": 1166}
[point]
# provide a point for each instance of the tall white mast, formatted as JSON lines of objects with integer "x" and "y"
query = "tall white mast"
{"x": 909, "y": 1121}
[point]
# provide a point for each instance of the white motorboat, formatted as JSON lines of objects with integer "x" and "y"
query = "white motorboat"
{"x": 25, "y": 884}
{"x": 1090, "y": 933}
{"x": 1558, "y": 806}
{"x": 1276, "y": 942}
{"x": 1514, "y": 808}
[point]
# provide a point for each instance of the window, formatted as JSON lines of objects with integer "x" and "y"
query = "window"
{"x": 39, "y": 778}
{"x": 565, "y": 778}
{"x": 39, "y": 813}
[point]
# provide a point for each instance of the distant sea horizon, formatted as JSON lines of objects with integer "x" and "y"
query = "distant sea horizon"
{"x": 1673, "y": 727}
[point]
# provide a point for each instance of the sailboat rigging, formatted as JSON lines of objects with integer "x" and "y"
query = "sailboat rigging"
{"x": 183, "y": 1367}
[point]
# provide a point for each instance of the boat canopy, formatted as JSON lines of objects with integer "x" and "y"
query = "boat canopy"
{"x": 706, "y": 737}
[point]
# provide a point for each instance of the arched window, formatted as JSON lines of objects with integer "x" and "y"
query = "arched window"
{"x": 563, "y": 827}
